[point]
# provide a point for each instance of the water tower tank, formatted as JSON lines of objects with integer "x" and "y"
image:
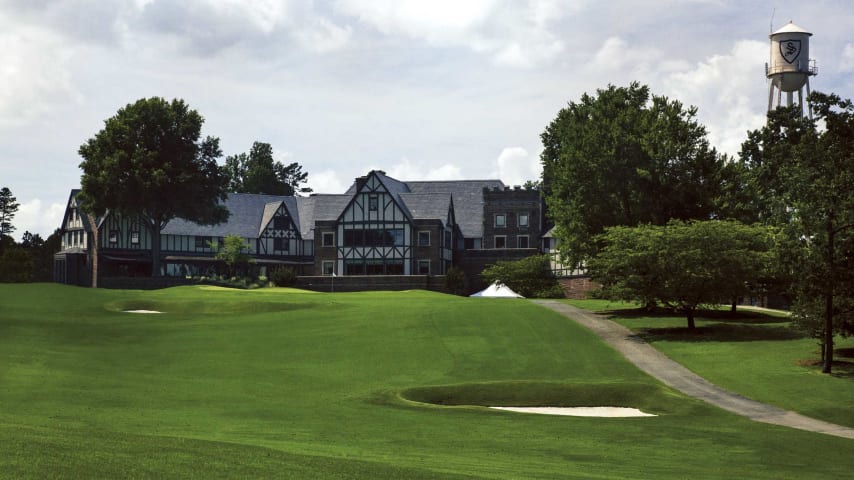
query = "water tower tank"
{"x": 790, "y": 66}
{"x": 790, "y": 53}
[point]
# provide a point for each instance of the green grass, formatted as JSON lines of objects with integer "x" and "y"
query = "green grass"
{"x": 755, "y": 353}
{"x": 278, "y": 383}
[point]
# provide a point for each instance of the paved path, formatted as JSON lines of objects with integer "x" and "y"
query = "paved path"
{"x": 655, "y": 363}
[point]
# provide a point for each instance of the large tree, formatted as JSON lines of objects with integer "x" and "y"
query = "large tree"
{"x": 259, "y": 172}
{"x": 626, "y": 157}
{"x": 8, "y": 208}
{"x": 150, "y": 162}
{"x": 682, "y": 265}
{"x": 803, "y": 172}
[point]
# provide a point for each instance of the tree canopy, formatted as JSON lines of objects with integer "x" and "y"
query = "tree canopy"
{"x": 8, "y": 208}
{"x": 626, "y": 157}
{"x": 258, "y": 172}
{"x": 802, "y": 171}
{"x": 682, "y": 265}
{"x": 149, "y": 162}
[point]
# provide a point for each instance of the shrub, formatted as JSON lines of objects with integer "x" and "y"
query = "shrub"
{"x": 283, "y": 277}
{"x": 455, "y": 281}
{"x": 530, "y": 277}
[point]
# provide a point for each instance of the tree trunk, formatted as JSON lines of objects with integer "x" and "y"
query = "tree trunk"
{"x": 828, "y": 304}
{"x": 690, "y": 314}
{"x": 732, "y": 309}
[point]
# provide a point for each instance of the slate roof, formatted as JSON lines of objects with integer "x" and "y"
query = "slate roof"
{"x": 318, "y": 208}
{"x": 247, "y": 212}
{"x": 468, "y": 200}
{"x": 427, "y": 206}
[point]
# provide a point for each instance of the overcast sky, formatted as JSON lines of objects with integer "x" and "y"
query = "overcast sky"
{"x": 439, "y": 89}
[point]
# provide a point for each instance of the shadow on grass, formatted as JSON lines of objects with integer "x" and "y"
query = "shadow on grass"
{"x": 720, "y": 332}
{"x": 723, "y": 316}
{"x": 841, "y": 368}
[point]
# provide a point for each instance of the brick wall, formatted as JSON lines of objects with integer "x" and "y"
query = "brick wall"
{"x": 357, "y": 283}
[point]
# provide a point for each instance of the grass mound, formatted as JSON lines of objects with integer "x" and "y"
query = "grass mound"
{"x": 647, "y": 397}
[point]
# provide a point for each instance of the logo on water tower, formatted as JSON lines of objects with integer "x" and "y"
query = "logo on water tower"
{"x": 790, "y": 49}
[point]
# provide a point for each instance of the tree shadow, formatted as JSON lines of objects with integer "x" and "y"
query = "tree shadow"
{"x": 720, "y": 332}
{"x": 721, "y": 316}
{"x": 841, "y": 368}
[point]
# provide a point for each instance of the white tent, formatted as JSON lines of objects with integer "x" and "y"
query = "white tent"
{"x": 497, "y": 290}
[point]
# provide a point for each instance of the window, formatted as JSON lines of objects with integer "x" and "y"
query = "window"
{"x": 448, "y": 240}
{"x": 134, "y": 237}
{"x": 500, "y": 220}
{"x": 501, "y": 241}
{"x": 281, "y": 223}
{"x": 203, "y": 242}
{"x": 328, "y": 239}
{"x": 114, "y": 236}
{"x": 423, "y": 267}
{"x": 424, "y": 238}
{"x": 523, "y": 219}
{"x": 280, "y": 244}
{"x": 522, "y": 241}
{"x": 373, "y": 238}
{"x": 328, "y": 267}
{"x": 373, "y": 203}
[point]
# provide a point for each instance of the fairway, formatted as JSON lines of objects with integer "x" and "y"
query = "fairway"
{"x": 279, "y": 383}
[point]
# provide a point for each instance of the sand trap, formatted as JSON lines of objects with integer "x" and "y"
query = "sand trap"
{"x": 141, "y": 311}
{"x": 580, "y": 411}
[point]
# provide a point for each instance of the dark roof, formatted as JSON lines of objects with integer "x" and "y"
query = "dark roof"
{"x": 427, "y": 206}
{"x": 468, "y": 200}
{"x": 319, "y": 208}
{"x": 246, "y": 214}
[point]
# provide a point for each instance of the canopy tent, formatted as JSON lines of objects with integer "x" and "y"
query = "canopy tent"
{"x": 497, "y": 290}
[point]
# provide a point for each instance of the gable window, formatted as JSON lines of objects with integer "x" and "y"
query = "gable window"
{"x": 424, "y": 238}
{"x": 203, "y": 242}
{"x": 280, "y": 223}
{"x": 523, "y": 219}
{"x": 423, "y": 267}
{"x": 280, "y": 244}
{"x": 328, "y": 239}
{"x": 501, "y": 241}
{"x": 114, "y": 236}
{"x": 134, "y": 237}
{"x": 522, "y": 241}
{"x": 373, "y": 203}
{"x": 500, "y": 220}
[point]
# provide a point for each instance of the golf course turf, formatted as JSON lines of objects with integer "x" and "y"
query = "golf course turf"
{"x": 279, "y": 383}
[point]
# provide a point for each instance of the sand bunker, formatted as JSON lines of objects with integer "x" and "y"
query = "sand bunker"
{"x": 141, "y": 311}
{"x": 580, "y": 411}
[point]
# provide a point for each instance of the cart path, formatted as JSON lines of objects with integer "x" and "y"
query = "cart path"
{"x": 656, "y": 364}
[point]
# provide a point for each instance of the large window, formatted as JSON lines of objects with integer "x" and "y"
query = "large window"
{"x": 203, "y": 242}
{"x": 373, "y": 238}
{"x": 424, "y": 238}
{"x": 501, "y": 241}
{"x": 500, "y": 220}
{"x": 328, "y": 239}
{"x": 374, "y": 266}
{"x": 522, "y": 241}
{"x": 523, "y": 219}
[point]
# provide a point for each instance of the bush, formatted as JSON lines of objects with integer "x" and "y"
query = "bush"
{"x": 283, "y": 277}
{"x": 455, "y": 281}
{"x": 16, "y": 265}
{"x": 530, "y": 277}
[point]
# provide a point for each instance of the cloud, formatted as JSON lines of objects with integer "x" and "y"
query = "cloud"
{"x": 727, "y": 89}
{"x": 847, "y": 61}
{"x": 516, "y": 166}
{"x": 409, "y": 172}
{"x": 34, "y": 73}
{"x": 326, "y": 181}
{"x": 34, "y": 217}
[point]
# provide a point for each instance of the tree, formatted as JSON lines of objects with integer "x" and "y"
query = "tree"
{"x": 530, "y": 277}
{"x": 625, "y": 157}
{"x": 232, "y": 251}
{"x": 16, "y": 265}
{"x": 8, "y": 208}
{"x": 803, "y": 171}
{"x": 258, "y": 172}
{"x": 682, "y": 265}
{"x": 149, "y": 162}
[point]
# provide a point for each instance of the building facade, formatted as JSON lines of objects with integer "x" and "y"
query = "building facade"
{"x": 380, "y": 226}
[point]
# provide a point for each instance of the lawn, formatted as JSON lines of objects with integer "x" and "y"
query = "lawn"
{"x": 756, "y": 354}
{"x": 280, "y": 383}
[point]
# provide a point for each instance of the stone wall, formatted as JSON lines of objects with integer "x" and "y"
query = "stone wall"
{"x": 357, "y": 283}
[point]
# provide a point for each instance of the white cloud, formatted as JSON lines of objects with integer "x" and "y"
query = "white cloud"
{"x": 326, "y": 181}
{"x": 516, "y": 166}
{"x": 321, "y": 35}
{"x": 407, "y": 171}
{"x": 728, "y": 90}
{"x": 34, "y": 217}
{"x": 34, "y": 73}
{"x": 847, "y": 61}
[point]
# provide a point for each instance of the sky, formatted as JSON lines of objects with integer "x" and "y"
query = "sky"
{"x": 424, "y": 90}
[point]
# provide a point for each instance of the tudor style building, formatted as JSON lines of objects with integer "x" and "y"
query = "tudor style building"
{"x": 380, "y": 226}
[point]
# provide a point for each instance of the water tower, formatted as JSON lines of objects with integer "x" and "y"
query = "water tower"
{"x": 790, "y": 67}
